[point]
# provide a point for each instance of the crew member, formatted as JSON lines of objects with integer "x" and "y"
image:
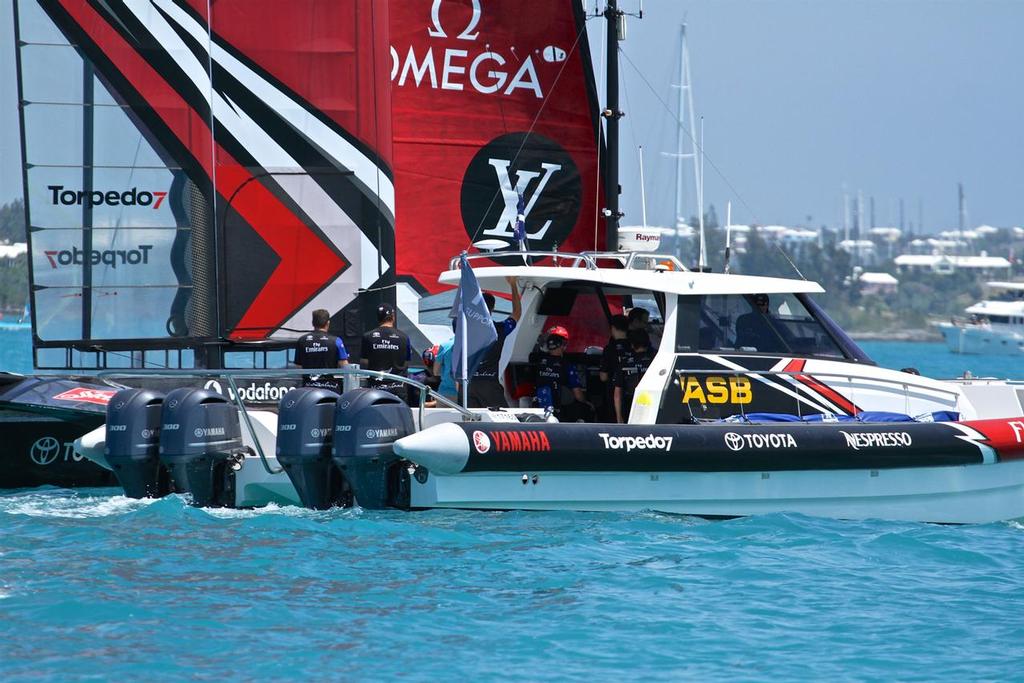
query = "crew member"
{"x": 425, "y": 376}
{"x": 387, "y": 349}
{"x": 639, "y": 318}
{"x": 320, "y": 350}
{"x": 761, "y": 330}
{"x": 558, "y": 382}
{"x": 616, "y": 351}
{"x": 485, "y": 391}
{"x": 632, "y": 370}
{"x": 443, "y": 369}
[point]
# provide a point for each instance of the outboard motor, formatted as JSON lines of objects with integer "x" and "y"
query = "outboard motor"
{"x": 305, "y": 425}
{"x": 132, "y": 447}
{"x": 201, "y": 445}
{"x": 366, "y": 424}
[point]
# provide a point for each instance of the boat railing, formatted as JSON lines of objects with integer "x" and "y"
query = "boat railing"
{"x": 590, "y": 260}
{"x": 562, "y": 258}
{"x": 351, "y": 376}
{"x": 847, "y": 381}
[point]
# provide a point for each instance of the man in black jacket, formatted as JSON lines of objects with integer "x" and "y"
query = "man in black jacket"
{"x": 387, "y": 349}
{"x": 320, "y": 350}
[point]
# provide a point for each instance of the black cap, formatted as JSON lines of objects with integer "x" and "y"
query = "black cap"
{"x": 760, "y": 299}
{"x": 384, "y": 312}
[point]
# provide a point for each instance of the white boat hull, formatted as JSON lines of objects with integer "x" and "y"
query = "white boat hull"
{"x": 975, "y": 340}
{"x": 967, "y": 494}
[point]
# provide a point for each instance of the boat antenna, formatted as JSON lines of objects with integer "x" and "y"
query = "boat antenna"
{"x": 643, "y": 192}
{"x": 728, "y": 233}
{"x": 702, "y": 258}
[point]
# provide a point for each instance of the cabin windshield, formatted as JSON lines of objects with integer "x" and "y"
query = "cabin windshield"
{"x": 584, "y": 309}
{"x": 758, "y": 323}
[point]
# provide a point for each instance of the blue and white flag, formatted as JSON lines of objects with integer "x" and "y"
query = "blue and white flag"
{"x": 479, "y": 333}
{"x": 520, "y": 230}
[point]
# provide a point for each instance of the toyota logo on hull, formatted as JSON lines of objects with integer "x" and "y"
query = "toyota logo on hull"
{"x": 132, "y": 197}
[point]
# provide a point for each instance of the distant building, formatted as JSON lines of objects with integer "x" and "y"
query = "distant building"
{"x": 10, "y": 252}
{"x": 878, "y": 284}
{"x": 947, "y": 263}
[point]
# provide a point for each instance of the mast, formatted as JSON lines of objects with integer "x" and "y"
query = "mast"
{"x": 88, "y": 137}
{"x": 685, "y": 131}
{"x": 612, "y": 114}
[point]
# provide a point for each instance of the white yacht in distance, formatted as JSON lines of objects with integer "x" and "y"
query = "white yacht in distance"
{"x": 995, "y": 326}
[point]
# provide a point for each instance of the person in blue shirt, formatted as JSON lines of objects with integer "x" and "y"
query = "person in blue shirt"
{"x": 443, "y": 369}
{"x": 320, "y": 350}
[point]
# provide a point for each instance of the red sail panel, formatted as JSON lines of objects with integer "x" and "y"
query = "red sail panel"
{"x": 491, "y": 102}
{"x": 312, "y": 75}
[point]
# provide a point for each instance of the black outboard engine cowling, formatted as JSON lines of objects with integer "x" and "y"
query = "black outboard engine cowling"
{"x": 366, "y": 424}
{"x": 132, "y": 446}
{"x": 305, "y": 425}
{"x": 200, "y": 443}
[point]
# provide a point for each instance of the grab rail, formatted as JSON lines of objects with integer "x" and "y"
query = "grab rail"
{"x": 575, "y": 259}
{"x": 587, "y": 259}
{"x": 229, "y": 376}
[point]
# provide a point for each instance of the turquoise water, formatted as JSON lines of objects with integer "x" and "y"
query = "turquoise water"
{"x": 97, "y": 587}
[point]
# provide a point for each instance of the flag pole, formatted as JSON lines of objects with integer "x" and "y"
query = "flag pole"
{"x": 465, "y": 355}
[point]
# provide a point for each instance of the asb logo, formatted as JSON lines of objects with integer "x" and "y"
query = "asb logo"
{"x": 44, "y": 451}
{"x": 481, "y": 442}
{"x": 517, "y": 165}
{"x": 717, "y": 390}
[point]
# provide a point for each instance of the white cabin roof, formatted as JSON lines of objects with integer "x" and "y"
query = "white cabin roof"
{"x": 671, "y": 282}
{"x": 1006, "y": 286}
{"x": 930, "y": 260}
{"x": 13, "y": 250}
{"x": 878, "y": 279}
{"x": 1006, "y": 308}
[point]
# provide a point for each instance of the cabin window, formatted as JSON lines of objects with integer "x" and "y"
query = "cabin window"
{"x": 736, "y": 322}
{"x": 585, "y": 308}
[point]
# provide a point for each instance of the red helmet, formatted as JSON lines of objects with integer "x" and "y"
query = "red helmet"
{"x": 559, "y": 331}
{"x": 430, "y": 355}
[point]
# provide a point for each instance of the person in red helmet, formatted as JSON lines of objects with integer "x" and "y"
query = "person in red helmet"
{"x": 558, "y": 382}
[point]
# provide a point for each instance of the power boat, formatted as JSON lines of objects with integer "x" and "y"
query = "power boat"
{"x": 995, "y": 325}
{"x": 720, "y": 426}
{"x": 213, "y": 194}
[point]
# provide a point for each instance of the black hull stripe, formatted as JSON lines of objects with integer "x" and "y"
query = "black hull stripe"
{"x": 717, "y": 447}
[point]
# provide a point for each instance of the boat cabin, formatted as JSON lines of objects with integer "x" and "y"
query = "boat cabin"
{"x": 725, "y": 344}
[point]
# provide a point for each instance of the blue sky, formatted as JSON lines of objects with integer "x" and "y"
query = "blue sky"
{"x": 898, "y": 98}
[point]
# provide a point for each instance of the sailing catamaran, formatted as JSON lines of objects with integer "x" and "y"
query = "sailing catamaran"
{"x": 285, "y": 192}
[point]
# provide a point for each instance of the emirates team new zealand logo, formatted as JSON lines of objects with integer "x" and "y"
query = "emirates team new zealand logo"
{"x": 521, "y": 175}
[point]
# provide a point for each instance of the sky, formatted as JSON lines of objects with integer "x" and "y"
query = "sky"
{"x": 895, "y": 98}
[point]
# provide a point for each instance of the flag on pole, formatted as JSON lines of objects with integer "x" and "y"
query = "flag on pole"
{"x": 474, "y": 329}
{"x": 520, "y": 230}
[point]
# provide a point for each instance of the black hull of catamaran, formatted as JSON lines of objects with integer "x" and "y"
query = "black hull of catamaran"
{"x": 38, "y": 450}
